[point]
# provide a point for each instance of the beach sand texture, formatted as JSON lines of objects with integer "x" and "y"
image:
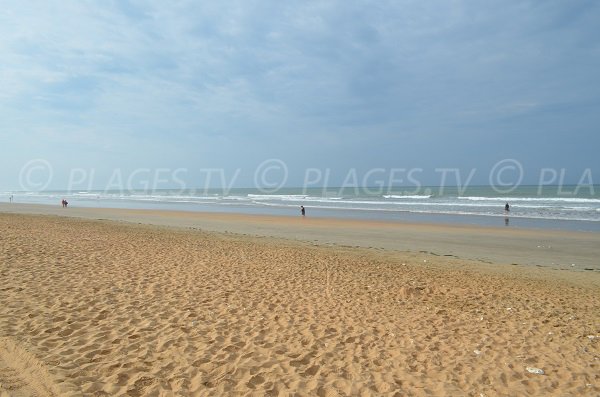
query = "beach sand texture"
{"x": 101, "y": 308}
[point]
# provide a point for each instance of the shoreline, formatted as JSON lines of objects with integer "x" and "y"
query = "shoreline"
{"x": 556, "y": 249}
{"x": 435, "y": 215}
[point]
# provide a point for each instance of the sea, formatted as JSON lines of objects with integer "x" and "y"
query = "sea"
{"x": 546, "y": 207}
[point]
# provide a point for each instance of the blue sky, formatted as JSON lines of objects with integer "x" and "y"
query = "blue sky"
{"x": 105, "y": 85}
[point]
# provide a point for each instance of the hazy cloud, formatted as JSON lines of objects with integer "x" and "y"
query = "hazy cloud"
{"x": 432, "y": 83}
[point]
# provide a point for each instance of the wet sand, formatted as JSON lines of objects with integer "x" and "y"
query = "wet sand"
{"x": 503, "y": 245}
{"x": 168, "y": 304}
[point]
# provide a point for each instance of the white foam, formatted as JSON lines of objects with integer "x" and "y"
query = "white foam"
{"x": 517, "y": 199}
{"x": 277, "y": 196}
{"x": 414, "y": 196}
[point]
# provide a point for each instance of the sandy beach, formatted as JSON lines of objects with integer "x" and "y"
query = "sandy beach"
{"x": 107, "y": 302}
{"x": 500, "y": 245}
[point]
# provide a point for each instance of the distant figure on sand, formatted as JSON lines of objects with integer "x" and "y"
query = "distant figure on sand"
{"x": 506, "y": 208}
{"x": 11, "y": 198}
{"x": 302, "y": 210}
{"x": 65, "y": 203}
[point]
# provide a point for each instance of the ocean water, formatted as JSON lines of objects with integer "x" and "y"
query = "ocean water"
{"x": 564, "y": 207}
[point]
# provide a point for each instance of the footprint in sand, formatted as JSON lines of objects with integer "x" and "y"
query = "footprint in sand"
{"x": 255, "y": 381}
{"x": 21, "y": 374}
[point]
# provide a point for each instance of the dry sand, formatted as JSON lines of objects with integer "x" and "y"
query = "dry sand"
{"x": 100, "y": 308}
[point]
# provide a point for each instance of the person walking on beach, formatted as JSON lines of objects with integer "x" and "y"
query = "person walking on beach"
{"x": 302, "y": 210}
{"x": 506, "y": 208}
{"x": 11, "y": 198}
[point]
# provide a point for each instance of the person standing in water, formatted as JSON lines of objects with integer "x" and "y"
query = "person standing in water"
{"x": 302, "y": 210}
{"x": 506, "y": 208}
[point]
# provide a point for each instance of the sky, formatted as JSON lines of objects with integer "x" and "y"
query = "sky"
{"x": 97, "y": 93}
